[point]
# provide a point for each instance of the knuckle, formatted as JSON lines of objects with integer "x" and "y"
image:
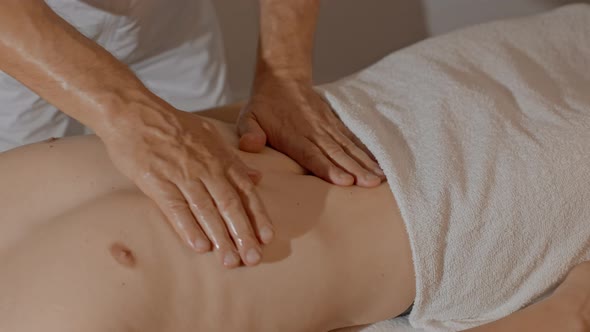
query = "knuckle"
{"x": 334, "y": 150}
{"x": 237, "y": 170}
{"x": 247, "y": 187}
{"x": 193, "y": 185}
{"x": 175, "y": 204}
{"x": 203, "y": 211}
{"x": 348, "y": 144}
{"x": 333, "y": 169}
{"x": 229, "y": 202}
{"x": 214, "y": 175}
{"x": 309, "y": 156}
{"x": 152, "y": 181}
{"x": 224, "y": 167}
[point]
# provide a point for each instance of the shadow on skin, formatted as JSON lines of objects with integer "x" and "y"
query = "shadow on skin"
{"x": 296, "y": 226}
{"x": 278, "y": 188}
{"x": 274, "y": 164}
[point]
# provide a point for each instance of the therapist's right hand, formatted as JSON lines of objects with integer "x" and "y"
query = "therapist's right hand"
{"x": 207, "y": 194}
{"x": 175, "y": 158}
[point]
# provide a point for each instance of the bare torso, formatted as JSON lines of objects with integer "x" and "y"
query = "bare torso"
{"x": 81, "y": 249}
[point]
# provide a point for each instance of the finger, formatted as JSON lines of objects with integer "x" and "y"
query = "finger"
{"x": 358, "y": 154}
{"x": 252, "y": 136}
{"x": 254, "y": 206}
{"x": 357, "y": 142}
{"x": 172, "y": 203}
{"x": 229, "y": 205}
{"x": 205, "y": 211}
{"x": 344, "y": 130}
{"x": 336, "y": 154}
{"x": 308, "y": 155}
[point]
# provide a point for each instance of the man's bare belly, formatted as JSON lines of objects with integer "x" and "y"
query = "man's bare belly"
{"x": 82, "y": 249}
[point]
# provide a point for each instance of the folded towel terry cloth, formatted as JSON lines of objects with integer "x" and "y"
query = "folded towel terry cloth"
{"x": 484, "y": 136}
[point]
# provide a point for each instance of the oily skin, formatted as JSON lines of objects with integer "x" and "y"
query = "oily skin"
{"x": 73, "y": 181}
{"x": 336, "y": 252}
{"x": 206, "y": 193}
{"x": 204, "y": 186}
{"x": 285, "y": 111}
{"x": 176, "y": 159}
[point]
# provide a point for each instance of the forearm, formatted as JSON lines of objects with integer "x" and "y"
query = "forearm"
{"x": 286, "y": 38}
{"x": 53, "y": 59}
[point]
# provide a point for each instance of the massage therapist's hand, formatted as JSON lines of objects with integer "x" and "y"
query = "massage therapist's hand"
{"x": 295, "y": 120}
{"x": 284, "y": 110}
{"x": 180, "y": 161}
{"x": 176, "y": 158}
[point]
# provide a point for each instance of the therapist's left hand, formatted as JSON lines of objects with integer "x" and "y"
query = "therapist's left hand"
{"x": 291, "y": 117}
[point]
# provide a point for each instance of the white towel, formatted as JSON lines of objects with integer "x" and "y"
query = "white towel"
{"x": 484, "y": 135}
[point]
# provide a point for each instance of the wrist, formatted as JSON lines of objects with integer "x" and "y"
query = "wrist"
{"x": 128, "y": 109}
{"x": 273, "y": 71}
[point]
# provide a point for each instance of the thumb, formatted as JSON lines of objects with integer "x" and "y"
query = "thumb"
{"x": 252, "y": 137}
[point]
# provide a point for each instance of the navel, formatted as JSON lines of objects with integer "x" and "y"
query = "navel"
{"x": 123, "y": 255}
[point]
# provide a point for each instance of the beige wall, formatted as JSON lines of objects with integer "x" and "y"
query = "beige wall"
{"x": 349, "y": 36}
{"x": 354, "y": 33}
{"x": 447, "y": 15}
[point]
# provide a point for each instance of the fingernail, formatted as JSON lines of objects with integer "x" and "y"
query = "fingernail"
{"x": 201, "y": 245}
{"x": 266, "y": 234}
{"x": 253, "y": 256}
{"x": 346, "y": 177}
{"x": 231, "y": 259}
{"x": 372, "y": 178}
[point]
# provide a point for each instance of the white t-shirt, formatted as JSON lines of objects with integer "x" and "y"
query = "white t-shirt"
{"x": 174, "y": 46}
